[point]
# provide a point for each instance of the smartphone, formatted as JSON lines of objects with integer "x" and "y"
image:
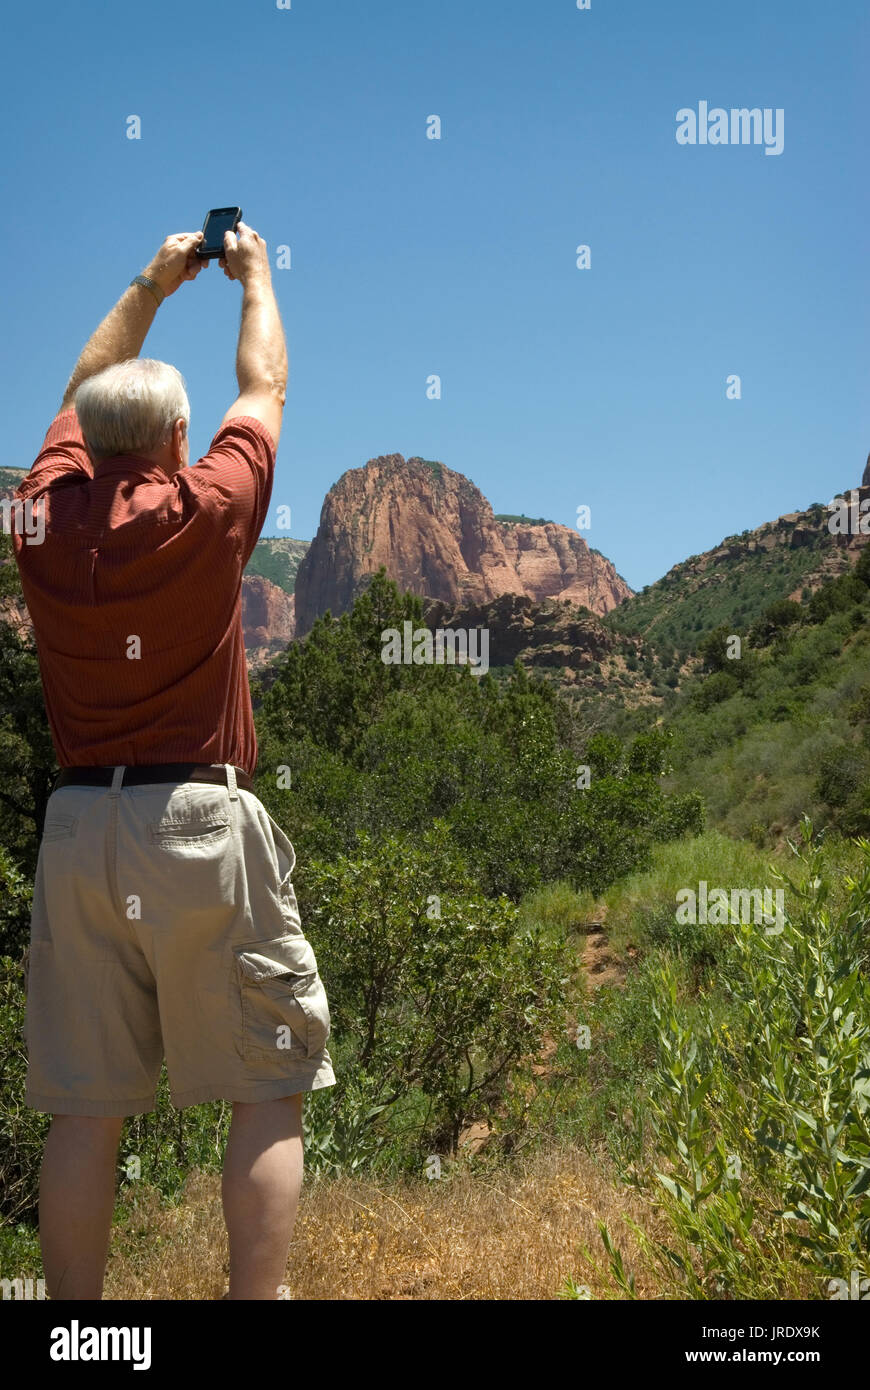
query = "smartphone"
{"x": 217, "y": 221}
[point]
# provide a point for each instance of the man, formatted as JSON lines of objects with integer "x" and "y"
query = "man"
{"x": 164, "y": 919}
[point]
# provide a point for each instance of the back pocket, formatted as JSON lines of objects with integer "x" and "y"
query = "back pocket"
{"x": 189, "y": 834}
{"x": 193, "y": 817}
{"x": 284, "y": 1005}
{"x": 59, "y": 825}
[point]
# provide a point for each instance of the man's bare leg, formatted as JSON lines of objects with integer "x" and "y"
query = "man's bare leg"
{"x": 262, "y": 1179}
{"x": 76, "y": 1201}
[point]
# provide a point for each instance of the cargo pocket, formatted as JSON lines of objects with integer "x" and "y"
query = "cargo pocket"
{"x": 284, "y": 1005}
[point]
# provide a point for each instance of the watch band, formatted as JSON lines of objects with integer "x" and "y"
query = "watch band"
{"x": 147, "y": 284}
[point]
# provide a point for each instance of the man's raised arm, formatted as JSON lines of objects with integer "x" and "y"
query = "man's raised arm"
{"x": 123, "y": 330}
{"x": 119, "y": 337}
{"x": 261, "y": 359}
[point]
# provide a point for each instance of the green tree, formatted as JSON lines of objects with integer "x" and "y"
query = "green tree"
{"x": 774, "y": 620}
{"x": 27, "y": 761}
{"x": 433, "y": 987}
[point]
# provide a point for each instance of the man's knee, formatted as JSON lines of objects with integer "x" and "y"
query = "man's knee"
{"x": 269, "y": 1120}
{"x": 89, "y": 1129}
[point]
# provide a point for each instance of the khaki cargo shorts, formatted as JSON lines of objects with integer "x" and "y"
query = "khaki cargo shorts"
{"x": 165, "y": 924}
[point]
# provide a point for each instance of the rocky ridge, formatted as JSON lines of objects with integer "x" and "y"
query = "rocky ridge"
{"x": 435, "y": 534}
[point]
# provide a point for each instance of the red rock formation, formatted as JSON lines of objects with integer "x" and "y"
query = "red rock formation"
{"x": 435, "y": 534}
{"x": 268, "y": 618}
{"x": 552, "y": 561}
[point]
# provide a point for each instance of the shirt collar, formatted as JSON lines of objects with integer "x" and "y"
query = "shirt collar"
{"x": 122, "y": 464}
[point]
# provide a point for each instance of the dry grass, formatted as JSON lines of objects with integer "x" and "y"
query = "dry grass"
{"x": 511, "y": 1235}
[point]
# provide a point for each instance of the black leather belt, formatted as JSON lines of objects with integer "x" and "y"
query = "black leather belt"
{"x": 153, "y": 772}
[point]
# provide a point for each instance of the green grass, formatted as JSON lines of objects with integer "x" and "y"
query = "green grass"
{"x": 714, "y": 857}
{"x": 557, "y": 908}
{"x": 20, "y": 1255}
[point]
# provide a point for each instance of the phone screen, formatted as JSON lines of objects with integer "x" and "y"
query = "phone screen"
{"x": 216, "y": 224}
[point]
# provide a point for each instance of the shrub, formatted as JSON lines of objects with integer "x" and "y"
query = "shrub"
{"x": 719, "y": 686}
{"x": 774, "y": 620}
{"x": 839, "y": 775}
{"x": 22, "y": 1131}
{"x": 762, "y": 1122}
{"x": 432, "y": 987}
{"x": 16, "y": 898}
{"x": 836, "y": 596}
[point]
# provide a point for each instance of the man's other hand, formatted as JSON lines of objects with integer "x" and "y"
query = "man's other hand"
{"x": 246, "y": 255}
{"x": 176, "y": 261}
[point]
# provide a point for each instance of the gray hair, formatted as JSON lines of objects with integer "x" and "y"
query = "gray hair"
{"x": 131, "y": 407}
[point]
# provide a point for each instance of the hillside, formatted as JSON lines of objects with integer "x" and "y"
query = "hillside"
{"x": 564, "y": 645}
{"x": 785, "y": 730}
{"x": 738, "y": 580}
{"x": 9, "y": 480}
{"x": 277, "y": 558}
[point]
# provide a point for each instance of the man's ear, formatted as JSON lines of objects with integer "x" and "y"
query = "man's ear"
{"x": 180, "y": 442}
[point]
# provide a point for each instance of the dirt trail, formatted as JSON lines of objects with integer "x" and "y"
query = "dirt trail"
{"x": 601, "y": 965}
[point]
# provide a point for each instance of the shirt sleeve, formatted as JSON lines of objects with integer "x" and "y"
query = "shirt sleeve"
{"x": 238, "y": 472}
{"x": 63, "y": 454}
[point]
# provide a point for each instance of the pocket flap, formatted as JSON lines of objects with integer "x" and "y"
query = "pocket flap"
{"x": 59, "y": 826}
{"x": 283, "y": 955}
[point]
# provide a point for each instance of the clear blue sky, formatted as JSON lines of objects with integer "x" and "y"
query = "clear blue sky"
{"x": 410, "y": 256}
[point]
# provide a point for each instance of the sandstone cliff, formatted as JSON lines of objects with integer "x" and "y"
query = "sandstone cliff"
{"x": 268, "y": 618}
{"x": 552, "y": 561}
{"x": 435, "y": 534}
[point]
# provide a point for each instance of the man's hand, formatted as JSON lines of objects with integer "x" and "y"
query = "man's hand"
{"x": 245, "y": 256}
{"x": 261, "y": 357}
{"x": 176, "y": 261}
{"x": 123, "y": 330}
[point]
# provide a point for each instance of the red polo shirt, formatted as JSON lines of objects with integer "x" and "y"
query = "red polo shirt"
{"x": 135, "y": 597}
